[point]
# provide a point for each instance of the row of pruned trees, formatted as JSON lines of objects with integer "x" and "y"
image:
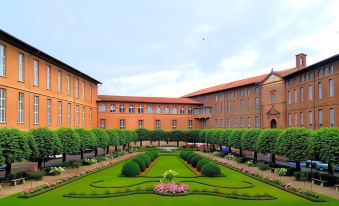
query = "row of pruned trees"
{"x": 41, "y": 143}
{"x": 297, "y": 144}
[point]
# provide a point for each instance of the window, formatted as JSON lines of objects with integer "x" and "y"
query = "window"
{"x": 222, "y": 123}
{"x": 234, "y": 106}
{"x": 331, "y": 69}
{"x": 241, "y": 122}
{"x": 83, "y": 89}
{"x": 157, "y": 124}
{"x": 2, "y": 105}
{"x": 331, "y": 117}
{"x": 158, "y": 109}
{"x": 21, "y": 67}
{"x": 149, "y": 109}
{"x": 289, "y": 97}
{"x": 83, "y": 117}
{"x": 295, "y": 81}
{"x": 228, "y": 122}
{"x": 59, "y": 113}
{"x": 295, "y": 96}
{"x": 320, "y": 72}
{"x": 234, "y": 123}
{"x": 68, "y": 114}
{"x": 102, "y": 123}
{"x": 331, "y": 92}
{"x": 90, "y": 117}
{"x": 190, "y": 110}
{"x": 190, "y": 124}
{"x": 36, "y": 73}
{"x": 90, "y": 92}
{"x": 21, "y": 107}
{"x": 257, "y": 122}
{"x": 131, "y": 109}
{"x": 289, "y": 120}
{"x": 2, "y": 61}
{"x": 140, "y": 109}
{"x": 320, "y": 116}
{"x": 241, "y": 104}
{"x": 112, "y": 108}
{"x": 248, "y": 122}
{"x": 310, "y": 92}
{"x": 216, "y": 97}
{"x": 182, "y": 109}
{"x": 76, "y": 88}
{"x": 49, "y": 111}
{"x": 310, "y": 119}
{"x": 122, "y": 124}
{"x": 273, "y": 97}
{"x": 325, "y": 71}
{"x": 59, "y": 81}
{"x": 77, "y": 120}
{"x": 102, "y": 108}
{"x": 48, "y": 77}
{"x": 140, "y": 123}
{"x": 320, "y": 90}
{"x": 228, "y": 106}
{"x": 257, "y": 103}
{"x": 174, "y": 110}
{"x": 166, "y": 109}
{"x": 301, "y": 119}
{"x": 301, "y": 94}
{"x": 122, "y": 108}
{"x": 257, "y": 91}
{"x": 174, "y": 124}
{"x": 36, "y": 110}
{"x": 295, "y": 119}
{"x": 215, "y": 123}
{"x": 68, "y": 84}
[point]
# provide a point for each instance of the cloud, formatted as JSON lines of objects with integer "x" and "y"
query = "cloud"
{"x": 242, "y": 61}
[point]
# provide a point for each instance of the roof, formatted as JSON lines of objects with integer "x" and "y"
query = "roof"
{"x": 138, "y": 99}
{"x": 30, "y": 49}
{"x": 238, "y": 83}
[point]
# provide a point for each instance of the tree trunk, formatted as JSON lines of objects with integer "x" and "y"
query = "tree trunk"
{"x": 128, "y": 145}
{"x": 96, "y": 152}
{"x": 177, "y": 143}
{"x": 107, "y": 150}
{"x": 297, "y": 166}
{"x": 8, "y": 169}
{"x": 167, "y": 141}
{"x": 140, "y": 143}
{"x": 273, "y": 158}
{"x": 240, "y": 152}
{"x": 39, "y": 163}
{"x": 220, "y": 148}
{"x": 229, "y": 150}
{"x": 213, "y": 147}
{"x": 255, "y": 155}
{"x": 81, "y": 155}
{"x": 330, "y": 169}
{"x": 116, "y": 148}
{"x": 63, "y": 157}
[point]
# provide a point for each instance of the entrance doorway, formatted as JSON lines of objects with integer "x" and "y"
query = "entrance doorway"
{"x": 273, "y": 123}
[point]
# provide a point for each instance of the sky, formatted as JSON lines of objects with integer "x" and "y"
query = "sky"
{"x": 174, "y": 47}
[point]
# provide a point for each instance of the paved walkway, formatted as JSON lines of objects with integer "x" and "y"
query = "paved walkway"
{"x": 9, "y": 190}
{"x": 329, "y": 191}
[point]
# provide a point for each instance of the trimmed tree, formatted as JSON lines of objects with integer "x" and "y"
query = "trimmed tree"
{"x": 226, "y": 136}
{"x": 294, "y": 144}
{"x": 48, "y": 144}
{"x": 248, "y": 140}
{"x": 267, "y": 142}
{"x": 113, "y": 138}
{"x": 14, "y": 147}
{"x": 101, "y": 138}
{"x": 87, "y": 140}
{"x": 70, "y": 141}
{"x": 235, "y": 139}
{"x": 2, "y": 159}
{"x": 142, "y": 135}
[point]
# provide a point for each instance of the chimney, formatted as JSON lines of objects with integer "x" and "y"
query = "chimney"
{"x": 300, "y": 60}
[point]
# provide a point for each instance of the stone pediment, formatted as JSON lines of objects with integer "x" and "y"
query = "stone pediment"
{"x": 273, "y": 112}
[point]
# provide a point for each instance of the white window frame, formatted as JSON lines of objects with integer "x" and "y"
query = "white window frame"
{"x": 36, "y": 110}
{"x": 112, "y": 108}
{"x": 331, "y": 87}
{"x": 310, "y": 119}
{"x": 140, "y": 123}
{"x": 21, "y": 67}
{"x": 102, "y": 107}
{"x": 2, "y": 105}
{"x": 76, "y": 92}
{"x": 49, "y": 111}
{"x": 35, "y": 72}
{"x": 90, "y": 117}
{"x": 174, "y": 124}
{"x": 190, "y": 124}
{"x": 320, "y": 90}
{"x": 48, "y": 77}
{"x": 69, "y": 114}
{"x": 69, "y": 92}
{"x": 332, "y": 117}
{"x": 77, "y": 116}
{"x": 122, "y": 124}
{"x": 59, "y": 113}
{"x": 2, "y": 60}
{"x": 301, "y": 94}
{"x": 59, "y": 74}
{"x": 174, "y": 110}
{"x": 83, "y": 89}
{"x": 301, "y": 119}
{"x": 248, "y": 122}
{"x": 20, "y": 107}
{"x": 320, "y": 118}
{"x": 140, "y": 109}
{"x": 182, "y": 109}
{"x": 149, "y": 109}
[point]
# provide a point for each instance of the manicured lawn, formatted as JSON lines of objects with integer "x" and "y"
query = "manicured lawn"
{"x": 110, "y": 179}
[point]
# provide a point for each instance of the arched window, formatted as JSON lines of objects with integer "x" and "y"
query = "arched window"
{"x": 158, "y": 110}
{"x": 182, "y": 110}
{"x": 131, "y": 109}
{"x": 149, "y": 109}
{"x": 174, "y": 110}
{"x": 190, "y": 110}
{"x": 140, "y": 109}
{"x": 103, "y": 108}
{"x": 166, "y": 109}
{"x": 122, "y": 108}
{"x": 112, "y": 108}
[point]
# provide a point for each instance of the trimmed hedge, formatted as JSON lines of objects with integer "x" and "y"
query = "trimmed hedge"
{"x": 195, "y": 160}
{"x": 141, "y": 162}
{"x": 130, "y": 169}
{"x": 147, "y": 159}
{"x": 201, "y": 163}
{"x": 211, "y": 170}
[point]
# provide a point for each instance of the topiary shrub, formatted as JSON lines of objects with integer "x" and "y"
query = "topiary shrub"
{"x": 183, "y": 154}
{"x": 195, "y": 160}
{"x": 130, "y": 169}
{"x": 151, "y": 155}
{"x": 141, "y": 162}
{"x": 201, "y": 163}
{"x": 211, "y": 170}
{"x": 190, "y": 157}
{"x": 147, "y": 159}
{"x": 186, "y": 156}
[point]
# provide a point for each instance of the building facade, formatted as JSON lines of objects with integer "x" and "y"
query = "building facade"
{"x": 37, "y": 90}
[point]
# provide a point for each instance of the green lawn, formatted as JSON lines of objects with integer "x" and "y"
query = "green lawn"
{"x": 110, "y": 180}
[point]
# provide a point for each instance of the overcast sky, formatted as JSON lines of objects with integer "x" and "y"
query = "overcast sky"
{"x": 174, "y": 47}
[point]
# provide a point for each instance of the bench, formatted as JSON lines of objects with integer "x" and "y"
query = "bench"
{"x": 322, "y": 182}
{"x": 336, "y": 187}
{"x": 15, "y": 181}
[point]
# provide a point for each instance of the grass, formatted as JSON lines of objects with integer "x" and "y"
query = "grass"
{"x": 110, "y": 181}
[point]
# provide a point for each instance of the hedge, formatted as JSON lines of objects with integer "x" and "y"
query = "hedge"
{"x": 130, "y": 169}
{"x": 211, "y": 170}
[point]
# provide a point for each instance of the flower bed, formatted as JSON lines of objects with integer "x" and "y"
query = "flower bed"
{"x": 171, "y": 187}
